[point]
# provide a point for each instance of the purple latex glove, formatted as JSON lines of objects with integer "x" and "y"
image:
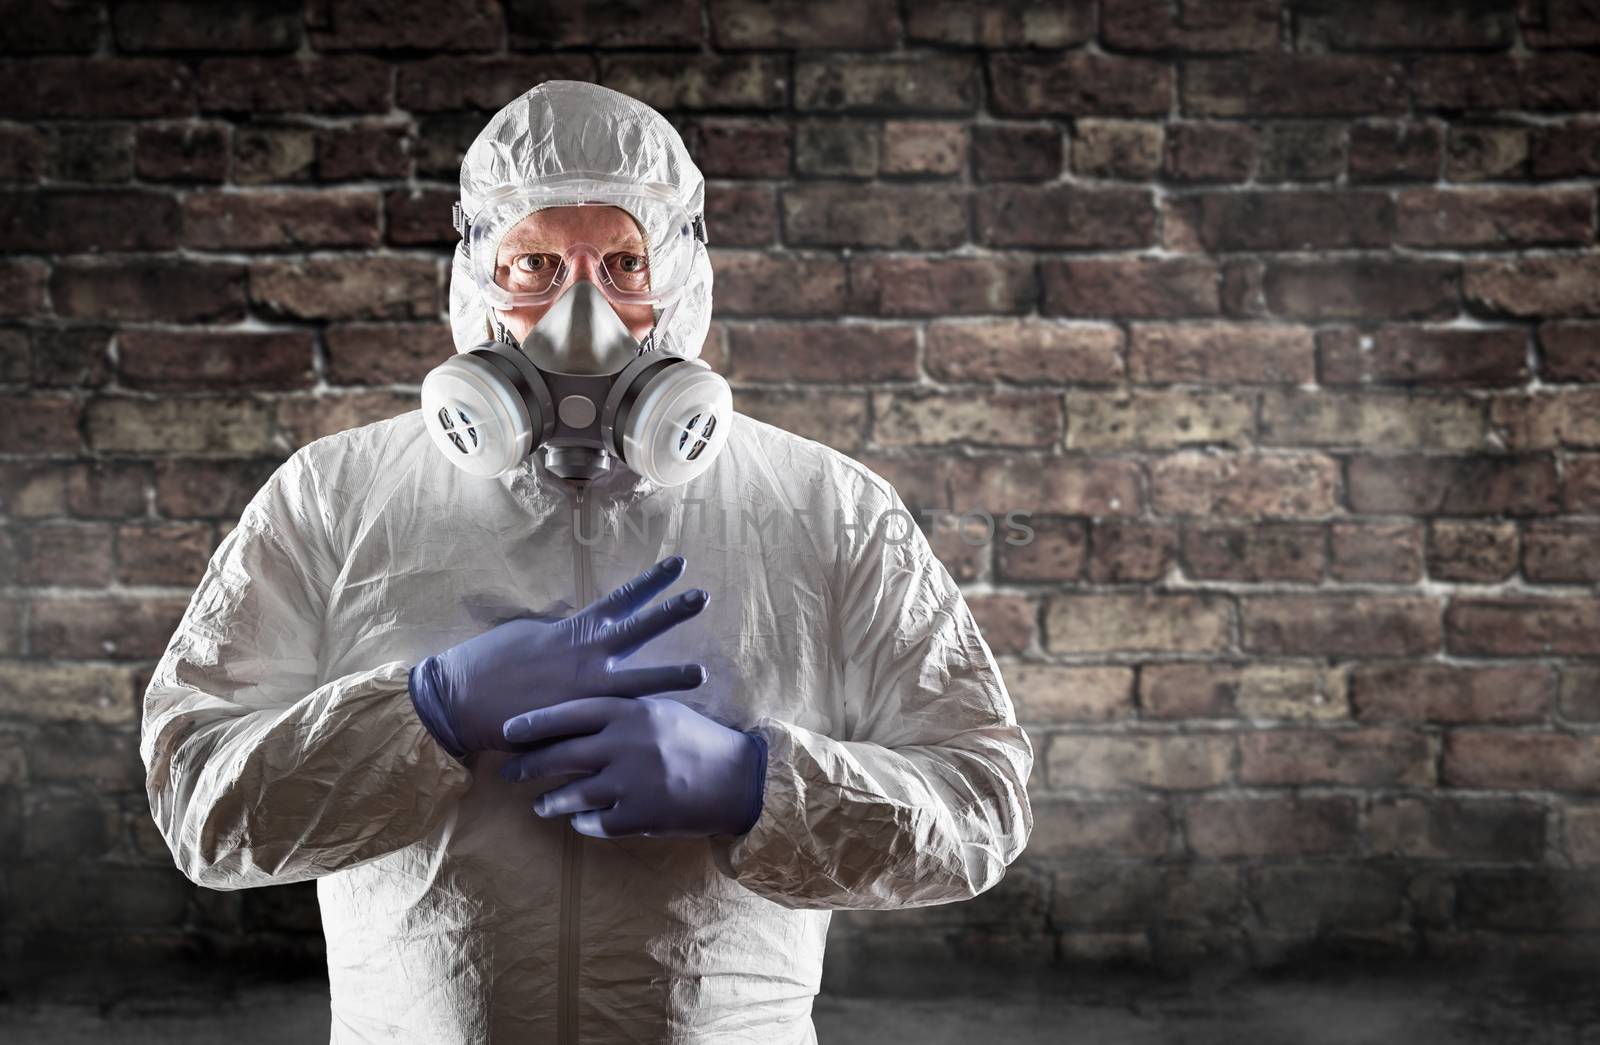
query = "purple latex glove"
{"x": 465, "y": 694}
{"x": 653, "y": 767}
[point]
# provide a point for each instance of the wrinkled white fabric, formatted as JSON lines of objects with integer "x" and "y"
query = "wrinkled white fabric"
{"x": 281, "y": 745}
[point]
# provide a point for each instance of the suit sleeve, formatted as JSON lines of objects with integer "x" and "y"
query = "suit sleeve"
{"x": 257, "y": 771}
{"x": 925, "y": 801}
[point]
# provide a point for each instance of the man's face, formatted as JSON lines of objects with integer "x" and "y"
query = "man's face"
{"x": 539, "y": 240}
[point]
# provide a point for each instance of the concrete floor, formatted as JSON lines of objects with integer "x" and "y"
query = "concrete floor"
{"x": 1331, "y": 1009}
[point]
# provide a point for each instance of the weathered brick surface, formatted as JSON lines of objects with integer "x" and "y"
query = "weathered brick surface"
{"x": 1276, "y": 321}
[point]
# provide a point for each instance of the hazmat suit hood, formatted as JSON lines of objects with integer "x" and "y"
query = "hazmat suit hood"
{"x": 573, "y": 128}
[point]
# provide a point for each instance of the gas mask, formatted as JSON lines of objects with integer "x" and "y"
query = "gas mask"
{"x": 585, "y": 391}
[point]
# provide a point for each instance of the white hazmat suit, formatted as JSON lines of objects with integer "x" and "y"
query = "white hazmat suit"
{"x": 281, "y": 743}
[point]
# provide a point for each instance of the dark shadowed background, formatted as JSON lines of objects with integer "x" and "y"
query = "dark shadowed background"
{"x": 1281, "y": 317}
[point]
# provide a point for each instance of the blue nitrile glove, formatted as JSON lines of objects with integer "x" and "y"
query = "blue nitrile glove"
{"x": 465, "y": 694}
{"x": 655, "y": 767}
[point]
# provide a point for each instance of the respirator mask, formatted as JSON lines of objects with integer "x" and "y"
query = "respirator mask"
{"x": 579, "y": 386}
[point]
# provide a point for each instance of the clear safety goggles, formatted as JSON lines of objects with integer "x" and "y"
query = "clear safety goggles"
{"x": 652, "y": 268}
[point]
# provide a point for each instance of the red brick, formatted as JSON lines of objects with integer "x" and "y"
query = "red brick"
{"x": 146, "y": 289}
{"x": 1257, "y": 827}
{"x": 182, "y": 152}
{"x": 1382, "y": 25}
{"x": 1486, "y": 153}
{"x": 603, "y": 23}
{"x": 1198, "y": 26}
{"x": 1435, "y": 485}
{"x": 22, "y": 285}
{"x": 302, "y": 420}
{"x": 374, "y": 287}
{"x": 1580, "y": 692}
{"x": 94, "y": 88}
{"x": 1376, "y": 552}
{"x": 1547, "y": 420}
{"x": 207, "y": 489}
{"x": 1066, "y": 485}
{"x": 280, "y": 220}
{"x": 201, "y": 359}
{"x": 431, "y": 25}
{"x": 1523, "y": 627}
{"x": 1566, "y": 80}
{"x": 910, "y": 286}
{"x": 273, "y": 154}
{"x": 1463, "y": 829}
{"x": 165, "y": 25}
{"x": 728, "y": 147}
{"x": 847, "y": 25}
{"x": 1496, "y": 219}
{"x": 1126, "y": 149}
{"x": 358, "y": 152}
{"x": 898, "y": 84}
{"x": 1220, "y": 353}
{"x": 1078, "y": 84}
{"x": 1220, "y": 690}
{"x": 742, "y": 215}
{"x": 419, "y": 217}
{"x": 1157, "y": 622}
{"x": 1254, "y": 553}
{"x": 37, "y": 424}
{"x": 323, "y": 84}
{"x": 1300, "y": 151}
{"x": 1559, "y": 23}
{"x": 1210, "y": 151}
{"x": 385, "y": 353}
{"x": 1542, "y": 899}
{"x": 1055, "y": 551}
{"x": 1321, "y": 898}
{"x": 1520, "y": 760}
{"x": 1065, "y": 217}
{"x": 1023, "y": 351}
{"x": 1165, "y": 762}
{"x": 1007, "y": 621}
{"x": 1016, "y": 152}
{"x": 1195, "y": 483}
{"x": 1561, "y": 552}
{"x": 112, "y": 628}
{"x": 38, "y": 489}
{"x": 1371, "y": 288}
{"x": 926, "y": 418}
{"x": 972, "y": 23}
{"x": 1122, "y": 551}
{"x": 1136, "y": 288}
{"x": 234, "y": 425}
{"x": 1293, "y": 85}
{"x": 1293, "y": 220}
{"x": 1539, "y": 286}
{"x": 1449, "y": 693}
{"x": 839, "y": 148}
{"x": 1570, "y": 351}
{"x": 73, "y": 555}
{"x": 69, "y": 220}
{"x": 483, "y": 82}
{"x": 1370, "y": 758}
{"x": 1069, "y": 828}
{"x": 164, "y": 554}
{"x": 49, "y": 27}
{"x": 1395, "y": 151}
{"x": 1432, "y": 356}
{"x": 752, "y": 283}
{"x": 924, "y": 147}
{"x": 1581, "y": 484}
{"x": 1483, "y": 552}
{"x": 826, "y": 352}
{"x": 1565, "y": 150}
{"x": 896, "y": 217}
{"x": 1052, "y": 693}
{"x": 1356, "y": 625}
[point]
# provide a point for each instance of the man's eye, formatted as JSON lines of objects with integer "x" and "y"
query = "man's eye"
{"x": 531, "y": 262}
{"x": 630, "y": 262}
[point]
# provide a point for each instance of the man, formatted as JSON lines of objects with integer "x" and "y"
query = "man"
{"x": 402, "y": 679}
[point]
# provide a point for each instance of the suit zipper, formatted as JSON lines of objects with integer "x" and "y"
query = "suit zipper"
{"x": 571, "y": 849}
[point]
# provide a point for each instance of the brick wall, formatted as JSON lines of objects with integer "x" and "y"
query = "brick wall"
{"x": 1281, "y": 317}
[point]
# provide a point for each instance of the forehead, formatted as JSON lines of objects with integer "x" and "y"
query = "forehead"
{"x": 560, "y": 226}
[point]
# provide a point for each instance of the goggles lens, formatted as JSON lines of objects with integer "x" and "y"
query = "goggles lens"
{"x": 649, "y": 260}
